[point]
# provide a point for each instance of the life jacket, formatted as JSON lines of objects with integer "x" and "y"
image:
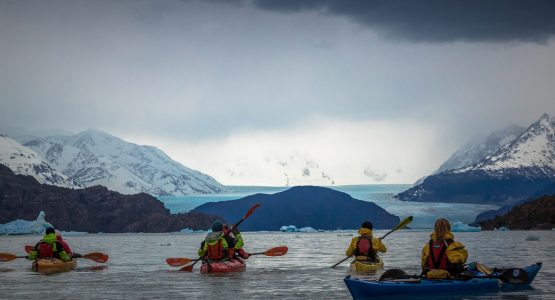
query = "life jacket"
{"x": 438, "y": 258}
{"x": 48, "y": 250}
{"x": 365, "y": 248}
{"x": 216, "y": 251}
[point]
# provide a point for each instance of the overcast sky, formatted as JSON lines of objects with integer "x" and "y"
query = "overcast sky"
{"x": 247, "y": 91}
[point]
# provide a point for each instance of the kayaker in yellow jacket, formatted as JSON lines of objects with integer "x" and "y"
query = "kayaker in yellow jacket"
{"x": 442, "y": 253}
{"x": 214, "y": 245}
{"x": 365, "y": 247}
{"x": 48, "y": 247}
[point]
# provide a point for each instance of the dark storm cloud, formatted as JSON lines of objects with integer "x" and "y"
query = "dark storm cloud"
{"x": 438, "y": 20}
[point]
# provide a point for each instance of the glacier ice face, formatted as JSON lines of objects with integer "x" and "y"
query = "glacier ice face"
{"x": 26, "y": 227}
{"x": 94, "y": 157}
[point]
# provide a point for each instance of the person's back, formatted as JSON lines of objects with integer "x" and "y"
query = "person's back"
{"x": 214, "y": 246}
{"x": 235, "y": 243}
{"x": 365, "y": 247}
{"x": 48, "y": 247}
{"x": 442, "y": 256}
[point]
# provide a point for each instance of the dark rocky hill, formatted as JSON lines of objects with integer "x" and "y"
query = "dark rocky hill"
{"x": 302, "y": 206}
{"x": 94, "y": 209}
{"x": 535, "y": 214}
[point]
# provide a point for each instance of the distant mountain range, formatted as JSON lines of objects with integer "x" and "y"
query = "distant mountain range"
{"x": 25, "y": 161}
{"x": 302, "y": 206}
{"x": 94, "y": 157}
{"x": 521, "y": 167}
{"x": 93, "y": 209}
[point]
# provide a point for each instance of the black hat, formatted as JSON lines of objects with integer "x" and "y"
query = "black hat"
{"x": 50, "y": 230}
{"x": 217, "y": 226}
{"x": 367, "y": 225}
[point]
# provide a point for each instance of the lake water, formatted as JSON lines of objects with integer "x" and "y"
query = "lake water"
{"x": 425, "y": 213}
{"x": 136, "y": 269}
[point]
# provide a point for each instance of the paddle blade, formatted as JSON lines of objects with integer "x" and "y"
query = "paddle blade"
{"x": 514, "y": 276}
{"x": 251, "y": 210}
{"x": 96, "y": 256}
{"x": 178, "y": 261}
{"x": 29, "y": 248}
{"x": 403, "y": 223}
{"x": 277, "y": 251}
{"x": 188, "y": 268}
{"x": 7, "y": 257}
{"x": 392, "y": 274}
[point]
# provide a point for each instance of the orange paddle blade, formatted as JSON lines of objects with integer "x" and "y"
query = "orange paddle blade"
{"x": 188, "y": 268}
{"x": 253, "y": 208}
{"x": 7, "y": 257}
{"x": 96, "y": 256}
{"x": 29, "y": 248}
{"x": 277, "y": 251}
{"x": 178, "y": 261}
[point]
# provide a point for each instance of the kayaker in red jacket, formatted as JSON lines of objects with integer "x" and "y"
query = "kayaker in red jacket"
{"x": 49, "y": 247}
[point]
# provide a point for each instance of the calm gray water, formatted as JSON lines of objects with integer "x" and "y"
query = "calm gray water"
{"x": 137, "y": 269}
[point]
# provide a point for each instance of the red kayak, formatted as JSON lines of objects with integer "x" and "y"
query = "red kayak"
{"x": 224, "y": 266}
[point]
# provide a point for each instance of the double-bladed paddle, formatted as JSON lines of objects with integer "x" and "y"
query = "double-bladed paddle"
{"x": 276, "y": 251}
{"x": 176, "y": 262}
{"x": 402, "y": 224}
{"x": 96, "y": 256}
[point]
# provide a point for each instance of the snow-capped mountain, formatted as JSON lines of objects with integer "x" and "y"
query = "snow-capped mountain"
{"x": 517, "y": 170}
{"x": 24, "y": 161}
{"x": 476, "y": 150}
{"x": 94, "y": 157}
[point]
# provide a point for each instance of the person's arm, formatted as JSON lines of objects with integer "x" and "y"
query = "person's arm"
{"x": 351, "y": 250}
{"x": 238, "y": 239}
{"x": 456, "y": 253}
{"x": 33, "y": 254}
{"x": 425, "y": 254}
{"x": 203, "y": 249}
{"x": 379, "y": 245}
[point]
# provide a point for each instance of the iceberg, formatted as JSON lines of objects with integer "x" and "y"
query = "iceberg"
{"x": 462, "y": 227}
{"x": 186, "y": 230}
{"x": 307, "y": 229}
{"x": 290, "y": 228}
{"x": 26, "y": 227}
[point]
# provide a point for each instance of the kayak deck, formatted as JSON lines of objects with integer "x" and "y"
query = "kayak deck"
{"x": 365, "y": 267}
{"x": 224, "y": 266}
{"x": 53, "y": 265}
{"x": 361, "y": 289}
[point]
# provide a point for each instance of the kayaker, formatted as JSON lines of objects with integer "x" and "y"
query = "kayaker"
{"x": 365, "y": 247}
{"x": 214, "y": 246}
{"x": 447, "y": 257}
{"x": 49, "y": 247}
{"x": 235, "y": 243}
{"x": 67, "y": 249}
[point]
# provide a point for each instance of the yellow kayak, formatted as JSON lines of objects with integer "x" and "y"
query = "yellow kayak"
{"x": 53, "y": 265}
{"x": 366, "y": 266}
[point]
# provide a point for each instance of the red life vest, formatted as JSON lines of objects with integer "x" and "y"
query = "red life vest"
{"x": 437, "y": 258}
{"x": 45, "y": 249}
{"x": 365, "y": 248}
{"x": 216, "y": 251}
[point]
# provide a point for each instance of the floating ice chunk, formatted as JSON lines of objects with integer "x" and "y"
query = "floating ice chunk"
{"x": 307, "y": 229}
{"x": 290, "y": 228}
{"x": 502, "y": 228}
{"x": 26, "y": 227}
{"x": 461, "y": 227}
{"x": 186, "y": 230}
